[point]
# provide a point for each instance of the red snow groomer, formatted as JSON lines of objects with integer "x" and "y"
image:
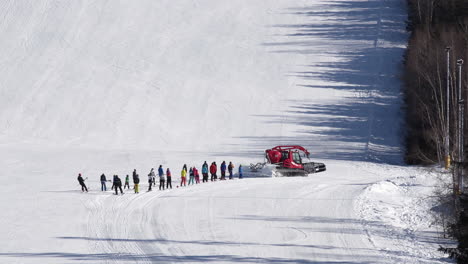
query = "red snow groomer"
{"x": 289, "y": 162}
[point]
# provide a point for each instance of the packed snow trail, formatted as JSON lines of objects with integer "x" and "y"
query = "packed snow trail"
{"x": 247, "y": 221}
{"x": 277, "y": 220}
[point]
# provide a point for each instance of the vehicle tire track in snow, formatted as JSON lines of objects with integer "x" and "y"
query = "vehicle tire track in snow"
{"x": 111, "y": 231}
{"x": 95, "y": 229}
{"x": 142, "y": 210}
{"x": 124, "y": 213}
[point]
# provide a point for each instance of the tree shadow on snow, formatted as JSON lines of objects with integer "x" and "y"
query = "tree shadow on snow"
{"x": 368, "y": 38}
{"x": 198, "y": 242}
{"x": 359, "y": 227}
{"x": 159, "y": 258}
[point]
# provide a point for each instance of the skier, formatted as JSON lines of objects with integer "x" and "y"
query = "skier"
{"x": 117, "y": 185}
{"x": 230, "y": 168}
{"x": 103, "y": 183}
{"x": 205, "y": 172}
{"x": 196, "y": 175}
{"x": 162, "y": 180}
{"x": 113, "y": 182}
{"x": 136, "y": 182}
{"x": 213, "y": 170}
{"x": 160, "y": 170}
{"x": 223, "y": 170}
{"x": 153, "y": 180}
{"x": 150, "y": 179}
{"x": 169, "y": 178}
{"x": 127, "y": 182}
{"x": 183, "y": 176}
{"x": 240, "y": 172}
{"x": 134, "y": 176}
{"x": 191, "y": 179}
{"x": 81, "y": 181}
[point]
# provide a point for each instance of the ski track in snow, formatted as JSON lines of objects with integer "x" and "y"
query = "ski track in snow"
{"x": 298, "y": 220}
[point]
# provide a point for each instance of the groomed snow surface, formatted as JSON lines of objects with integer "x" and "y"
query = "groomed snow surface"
{"x": 100, "y": 86}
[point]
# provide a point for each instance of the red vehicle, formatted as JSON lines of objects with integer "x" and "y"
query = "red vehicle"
{"x": 289, "y": 161}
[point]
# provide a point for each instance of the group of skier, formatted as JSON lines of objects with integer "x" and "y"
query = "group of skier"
{"x": 165, "y": 179}
{"x": 194, "y": 175}
{"x": 116, "y": 183}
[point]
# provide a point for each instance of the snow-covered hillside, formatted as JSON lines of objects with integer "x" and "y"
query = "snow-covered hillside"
{"x": 110, "y": 86}
{"x": 200, "y": 75}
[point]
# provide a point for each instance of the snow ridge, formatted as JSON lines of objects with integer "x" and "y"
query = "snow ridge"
{"x": 398, "y": 210}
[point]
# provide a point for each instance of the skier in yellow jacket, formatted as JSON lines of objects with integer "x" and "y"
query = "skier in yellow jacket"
{"x": 183, "y": 176}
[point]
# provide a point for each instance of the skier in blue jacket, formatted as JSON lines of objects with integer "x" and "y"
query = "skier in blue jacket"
{"x": 223, "y": 171}
{"x": 160, "y": 171}
{"x": 162, "y": 180}
{"x": 205, "y": 172}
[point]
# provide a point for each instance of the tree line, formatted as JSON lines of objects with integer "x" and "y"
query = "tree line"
{"x": 436, "y": 25}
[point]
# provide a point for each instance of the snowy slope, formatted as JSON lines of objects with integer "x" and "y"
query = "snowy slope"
{"x": 109, "y": 86}
{"x": 202, "y": 74}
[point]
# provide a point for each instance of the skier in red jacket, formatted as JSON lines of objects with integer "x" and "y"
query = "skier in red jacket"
{"x": 168, "y": 179}
{"x": 213, "y": 170}
{"x": 197, "y": 175}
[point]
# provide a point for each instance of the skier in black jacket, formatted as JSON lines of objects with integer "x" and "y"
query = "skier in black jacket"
{"x": 134, "y": 177}
{"x": 103, "y": 183}
{"x": 117, "y": 184}
{"x": 136, "y": 181}
{"x": 113, "y": 182}
{"x": 169, "y": 178}
{"x": 83, "y": 185}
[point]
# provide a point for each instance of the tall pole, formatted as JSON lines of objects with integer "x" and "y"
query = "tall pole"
{"x": 447, "y": 114}
{"x": 460, "y": 127}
